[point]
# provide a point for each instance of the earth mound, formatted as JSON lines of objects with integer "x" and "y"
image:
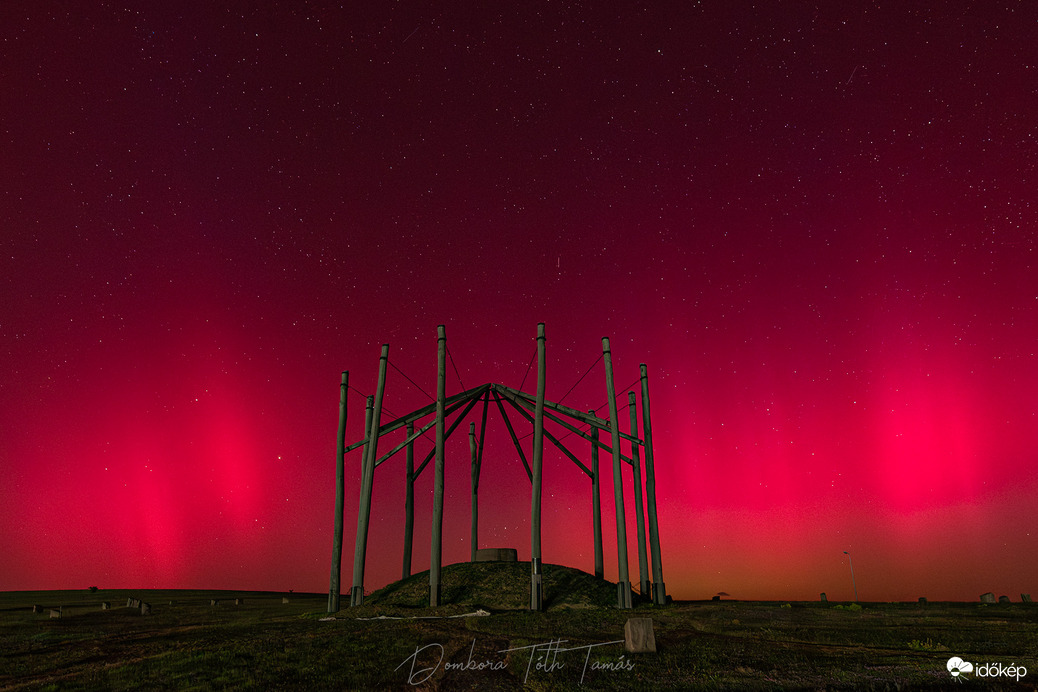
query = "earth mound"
{"x": 499, "y": 586}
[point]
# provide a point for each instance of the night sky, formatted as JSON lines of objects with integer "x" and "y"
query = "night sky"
{"x": 815, "y": 223}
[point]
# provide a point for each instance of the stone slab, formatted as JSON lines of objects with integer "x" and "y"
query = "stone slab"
{"x": 638, "y": 636}
{"x": 987, "y": 597}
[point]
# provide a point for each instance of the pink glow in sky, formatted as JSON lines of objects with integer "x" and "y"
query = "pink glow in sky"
{"x": 817, "y": 226}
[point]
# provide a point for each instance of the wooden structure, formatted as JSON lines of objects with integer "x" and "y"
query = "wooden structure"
{"x": 534, "y": 409}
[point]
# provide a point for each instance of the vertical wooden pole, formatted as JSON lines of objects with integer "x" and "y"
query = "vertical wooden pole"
{"x": 409, "y": 504}
{"x": 659, "y": 590}
{"x": 596, "y": 503}
{"x": 436, "y": 553}
{"x": 367, "y": 479}
{"x": 536, "y": 592}
{"x": 474, "y": 478}
{"x": 340, "y": 497}
{"x": 643, "y": 560}
{"x": 624, "y": 581}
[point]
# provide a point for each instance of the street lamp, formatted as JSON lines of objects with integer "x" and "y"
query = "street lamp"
{"x": 853, "y": 583}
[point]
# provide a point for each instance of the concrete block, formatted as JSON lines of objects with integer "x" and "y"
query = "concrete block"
{"x": 638, "y": 636}
{"x": 497, "y": 555}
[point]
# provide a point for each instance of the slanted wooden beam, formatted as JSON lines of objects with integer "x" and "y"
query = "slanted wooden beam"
{"x": 511, "y": 432}
{"x": 551, "y": 438}
{"x": 588, "y": 418}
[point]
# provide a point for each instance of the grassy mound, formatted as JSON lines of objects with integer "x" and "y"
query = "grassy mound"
{"x": 499, "y": 586}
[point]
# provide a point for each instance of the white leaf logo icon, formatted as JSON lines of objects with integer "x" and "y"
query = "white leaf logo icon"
{"x": 957, "y": 666}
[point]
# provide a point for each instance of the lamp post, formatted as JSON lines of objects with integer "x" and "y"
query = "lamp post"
{"x": 853, "y": 583}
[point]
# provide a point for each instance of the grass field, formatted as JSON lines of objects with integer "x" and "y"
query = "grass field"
{"x": 391, "y": 642}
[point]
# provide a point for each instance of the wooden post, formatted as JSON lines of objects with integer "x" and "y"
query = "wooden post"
{"x": 436, "y": 553}
{"x": 340, "y": 497}
{"x": 369, "y": 409}
{"x": 623, "y": 585}
{"x": 367, "y": 479}
{"x": 596, "y": 503}
{"x": 643, "y": 560}
{"x": 474, "y": 478}
{"x": 536, "y": 592}
{"x": 659, "y": 590}
{"x": 409, "y": 503}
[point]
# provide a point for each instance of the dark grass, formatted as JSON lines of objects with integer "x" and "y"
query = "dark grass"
{"x": 267, "y": 644}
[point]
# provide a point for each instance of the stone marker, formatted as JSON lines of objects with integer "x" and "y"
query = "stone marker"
{"x": 105, "y": 605}
{"x": 284, "y": 599}
{"x": 1025, "y": 598}
{"x": 638, "y": 636}
{"x": 145, "y": 609}
{"x": 129, "y": 602}
{"x": 55, "y": 613}
{"x": 1003, "y": 599}
{"x": 824, "y": 599}
{"x": 239, "y": 601}
{"x": 37, "y": 609}
{"x": 987, "y": 597}
{"x": 497, "y": 555}
{"x": 716, "y": 598}
{"x": 214, "y": 601}
{"x": 922, "y": 599}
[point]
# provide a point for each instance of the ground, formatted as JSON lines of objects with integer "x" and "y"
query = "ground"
{"x": 264, "y": 642}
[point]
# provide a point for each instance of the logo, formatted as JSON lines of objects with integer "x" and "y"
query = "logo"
{"x": 958, "y": 669}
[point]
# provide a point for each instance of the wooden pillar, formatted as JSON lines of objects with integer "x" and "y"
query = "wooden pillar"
{"x": 536, "y": 591}
{"x": 643, "y": 560}
{"x": 623, "y": 585}
{"x": 596, "y": 503}
{"x": 340, "y": 497}
{"x": 474, "y": 478}
{"x": 659, "y": 591}
{"x": 409, "y": 504}
{"x": 367, "y": 478}
{"x": 436, "y": 553}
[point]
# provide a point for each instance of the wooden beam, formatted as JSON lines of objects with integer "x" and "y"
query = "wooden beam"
{"x": 554, "y": 440}
{"x": 588, "y": 418}
{"x": 340, "y": 497}
{"x": 436, "y": 551}
{"x": 659, "y": 589}
{"x": 450, "y": 430}
{"x": 527, "y": 405}
{"x": 360, "y": 549}
{"x": 644, "y": 585}
{"x": 623, "y": 580}
{"x": 511, "y": 432}
{"x": 417, "y": 414}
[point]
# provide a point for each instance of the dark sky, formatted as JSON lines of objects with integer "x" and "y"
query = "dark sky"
{"x": 815, "y": 223}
